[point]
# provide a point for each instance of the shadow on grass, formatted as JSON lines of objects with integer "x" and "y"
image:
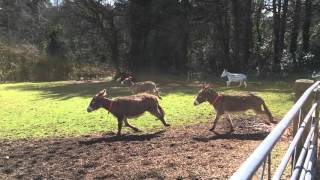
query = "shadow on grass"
{"x": 255, "y": 137}
{"x": 64, "y": 91}
{"x": 67, "y": 90}
{"x": 125, "y": 138}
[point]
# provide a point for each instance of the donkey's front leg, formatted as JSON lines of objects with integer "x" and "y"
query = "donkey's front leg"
{"x": 240, "y": 83}
{"x": 230, "y": 122}
{"x": 128, "y": 125}
{"x": 216, "y": 121}
{"x": 120, "y": 122}
{"x": 228, "y": 83}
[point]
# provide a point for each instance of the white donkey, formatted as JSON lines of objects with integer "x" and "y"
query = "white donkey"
{"x": 233, "y": 77}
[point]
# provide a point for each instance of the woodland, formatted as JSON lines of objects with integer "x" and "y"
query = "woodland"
{"x": 46, "y": 40}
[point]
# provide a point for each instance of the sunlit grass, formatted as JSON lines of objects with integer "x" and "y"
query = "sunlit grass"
{"x": 55, "y": 109}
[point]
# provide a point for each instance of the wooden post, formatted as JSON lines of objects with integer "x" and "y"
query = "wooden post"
{"x": 301, "y": 85}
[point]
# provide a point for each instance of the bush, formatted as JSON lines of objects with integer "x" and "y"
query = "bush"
{"x": 25, "y": 63}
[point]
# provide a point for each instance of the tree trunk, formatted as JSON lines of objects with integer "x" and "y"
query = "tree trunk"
{"x": 294, "y": 33}
{"x": 236, "y": 34}
{"x": 114, "y": 46}
{"x": 306, "y": 26}
{"x": 283, "y": 23}
{"x": 276, "y": 38}
{"x": 257, "y": 26}
{"x": 247, "y": 40}
{"x": 181, "y": 67}
{"x": 139, "y": 27}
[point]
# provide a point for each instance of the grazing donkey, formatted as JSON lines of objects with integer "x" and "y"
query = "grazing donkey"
{"x": 231, "y": 103}
{"x": 233, "y": 77}
{"x": 140, "y": 87}
{"x": 128, "y": 107}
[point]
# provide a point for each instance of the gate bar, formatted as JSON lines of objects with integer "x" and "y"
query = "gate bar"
{"x": 249, "y": 167}
{"x": 293, "y": 144}
{"x": 302, "y": 155}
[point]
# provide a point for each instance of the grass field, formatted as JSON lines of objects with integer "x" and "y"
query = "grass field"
{"x": 56, "y": 109}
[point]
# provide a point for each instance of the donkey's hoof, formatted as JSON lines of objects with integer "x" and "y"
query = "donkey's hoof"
{"x": 167, "y": 125}
{"x": 137, "y": 130}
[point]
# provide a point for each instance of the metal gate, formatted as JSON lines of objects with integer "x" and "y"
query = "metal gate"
{"x": 302, "y": 151}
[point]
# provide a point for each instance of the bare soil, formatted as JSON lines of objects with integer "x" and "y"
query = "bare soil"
{"x": 191, "y": 152}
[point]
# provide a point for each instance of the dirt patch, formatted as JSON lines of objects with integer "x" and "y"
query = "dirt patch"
{"x": 191, "y": 152}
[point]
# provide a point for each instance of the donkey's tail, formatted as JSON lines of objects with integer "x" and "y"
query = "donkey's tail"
{"x": 266, "y": 110}
{"x": 157, "y": 93}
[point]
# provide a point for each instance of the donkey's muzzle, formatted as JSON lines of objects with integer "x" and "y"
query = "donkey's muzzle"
{"x": 196, "y": 103}
{"x": 89, "y": 109}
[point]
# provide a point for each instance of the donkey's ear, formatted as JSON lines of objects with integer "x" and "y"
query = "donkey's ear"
{"x": 103, "y": 93}
{"x": 206, "y": 86}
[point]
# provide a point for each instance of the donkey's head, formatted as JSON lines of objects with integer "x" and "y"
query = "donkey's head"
{"x": 224, "y": 73}
{"x": 204, "y": 94}
{"x": 128, "y": 81}
{"x": 97, "y": 101}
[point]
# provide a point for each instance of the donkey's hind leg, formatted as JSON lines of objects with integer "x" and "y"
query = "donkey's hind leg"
{"x": 240, "y": 83}
{"x": 259, "y": 111}
{"x": 128, "y": 125}
{"x": 159, "y": 113}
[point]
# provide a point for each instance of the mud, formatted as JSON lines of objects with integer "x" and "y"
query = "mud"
{"x": 175, "y": 153}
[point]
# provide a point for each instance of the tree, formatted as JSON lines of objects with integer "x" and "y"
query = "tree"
{"x": 294, "y": 32}
{"x": 101, "y": 16}
{"x": 306, "y": 26}
{"x": 279, "y": 9}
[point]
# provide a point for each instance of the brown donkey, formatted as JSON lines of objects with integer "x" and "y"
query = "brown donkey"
{"x": 231, "y": 103}
{"x": 128, "y": 107}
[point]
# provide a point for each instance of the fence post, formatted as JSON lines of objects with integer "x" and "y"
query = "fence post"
{"x": 317, "y": 100}
{"x": 301, "y": 85}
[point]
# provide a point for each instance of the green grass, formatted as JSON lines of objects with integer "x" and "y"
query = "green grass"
{"x": 56, "y": 109}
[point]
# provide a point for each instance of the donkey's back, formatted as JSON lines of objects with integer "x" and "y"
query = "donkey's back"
{"x": 241, "y": 102}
